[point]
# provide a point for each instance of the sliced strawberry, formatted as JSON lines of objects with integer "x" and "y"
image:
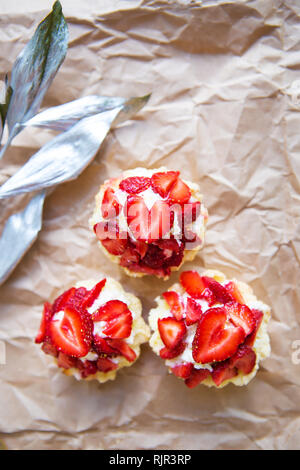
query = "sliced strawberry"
{"x": 197, "y": 376}
{"x": 166, "y": 353}
{"x": 93, "y": 294}
{"x": 244, "y": 359}
{"x": 49, "y": 348}
{"x": 106, "y": 365}
{"x": 108, "y": 234}
{"x": 161, "y": 220}
{"x": 71, "y": 333}
{"x": 223, "y": 372}
{"x": 66, "y": 362}
{"x": 241, "y": 315}
{"x": 179, "y": 193}
{"x": 183, "y": 370}
{"x": 214, "y": 342}
{"x": 233, "y": 290}
{"x": 193, "y": 311}
{"x": 161, "y": 182}
{"x": 135, "y": 184}
{"x": 173, "y": 300}
{"x": 129, "y": 257}
{"x": 118, "y": 318}
{"x": 171, "y": 331}
{"x": 258, "y": 315}
{"x": 46, "y": 316}
{"x": 87, "y": 368}
{"x": 101, "y": 346}
{"x": 192, "y": 282}
{"x": 63, "y": 300}
{"x": 122, "y": 348}
{"x": 138, "y": 218}
{"x": 220, "y": 293}
{"x": 110, "y": 206}
{"x": 208, "y": 296}
{"x": 141, "y": 248}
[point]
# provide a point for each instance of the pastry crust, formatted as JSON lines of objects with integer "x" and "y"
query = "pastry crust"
{"x": 198, "y": 227}
{"x": 261, "y": 344}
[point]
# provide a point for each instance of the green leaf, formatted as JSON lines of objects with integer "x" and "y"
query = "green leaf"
{"x": 36, "y": 67}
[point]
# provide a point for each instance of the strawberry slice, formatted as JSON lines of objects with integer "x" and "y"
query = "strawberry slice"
{"x": 197, "y": 376}
{"x": 118, "y": 318}
{"x": 241, "y": 315}
{"x": 66, "y": 362}
{"x": 160, "y": 221}
{"x": 129, "y": 257}
{"x": 93, "y": 294}
{"x": 233, "y": 290}
{"x": 122, "y": 348}
{"x": 173, "y": 300}
{"x": 166, "y": 353}
{"x": 179, "y": 193}
{"x": 87, "y": 368}
{"x": 192, "y": 282}
{"x": 110, "y": 206}
{"x": 162, "y": 182}
{"x": 183, "y": 370}
{"x": 258, "y": 315}
{"x": 135, "y": 184}
{"x": 208, "y": 296}
{"x": 171, "y": 331}
{"x": 244, "y": 359}
{"x": 193, "y": 311}
{"x": 108, "y": 234}
{"x": 137, "y": 215}
{"x": 220, "y": 293}
{"x": 63, "y": 300}
{"x": 46, "y": 316}
{"x": 71, "y": 333}
{"x": 101, "y": 346}
{"x": 214, "y": 342}
{"x": 106, "y": 365}
{"x": 49, "y": 348}
{"x": 223, "y": 372}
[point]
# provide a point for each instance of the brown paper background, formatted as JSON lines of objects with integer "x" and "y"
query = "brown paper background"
{"x": 223, "y": 112}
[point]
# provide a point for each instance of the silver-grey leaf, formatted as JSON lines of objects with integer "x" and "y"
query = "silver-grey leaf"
{"x": 19, "y": 233}
{"x": 35, "y": 68}
{"x": 65, "y": 157}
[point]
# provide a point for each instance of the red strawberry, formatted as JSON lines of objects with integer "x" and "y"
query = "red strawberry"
{"x": 244, "y": 359}
{"x": 61, "y": 301}
{"x": 183, "y": 370}
{"x": 171, "y": 331}
{"x": 214, "y": 342}
{"x": 233, "y": 290}
{"x": 193, "y": 311}
{"x": 129, "y": 257}
{"x": 173, "y": 300}
{"x": 122, "y": 348}
{"x": 105, "y": 365}
{"x": 161, "y": 182}
{"x": 108, "y": 234}
{"x": 223, "y": 372}
{"x": 258, "y": 315}
{"x": 110, "y": 207}
{"x": 192, "y": 282}
{"x": 179, "y": 193}
{"x": 220, "y": 293}
{"x": 46, "y": 316}
{"x": 66, "y": 362}
{"x": 135, "y": 184}
{"x": 87, "y": 368}
{"x": 166, "y": 353}
{"x": 72, "y": 333}
{"x": 101, "y": 346}
{"x": 93, "y": 294}
{"x": 140, "y": 247}
{"x": 208, "y": 296}
{"x": 161, "y": 220}
{"x": 137, "y": 215}
{"x": 118, "y": 318}
{"x": 197, "y": 376}
{"x": 241, "y": 315}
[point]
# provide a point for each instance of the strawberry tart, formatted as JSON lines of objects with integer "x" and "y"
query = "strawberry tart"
{"x": 93, "y": 330}
{"x": 210, "y": 330}
{"x": 149, "y": 221}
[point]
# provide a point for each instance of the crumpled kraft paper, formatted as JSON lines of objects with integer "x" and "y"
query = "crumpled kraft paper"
{"x": 225, "y": 111}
